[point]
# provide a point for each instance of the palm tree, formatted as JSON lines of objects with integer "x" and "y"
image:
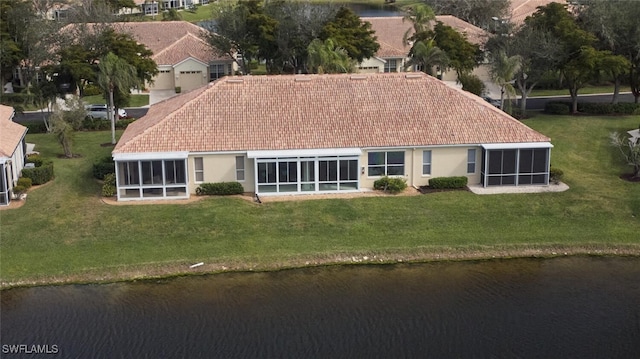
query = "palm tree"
{"x": 503, "y": 70}
{"x": 325, "y": 57}
{"x": 420, "y": 16}
{"x": 426, "y": 55}
{"x": 115, "y": 74}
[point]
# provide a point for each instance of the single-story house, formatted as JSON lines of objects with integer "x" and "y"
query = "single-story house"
{"x": 154, "y": 7}
{"x": 303, "y": 134}
{"x": 184, "y": 59}
{"x": 394, "y": 53}
{"x": 12, "y": 152}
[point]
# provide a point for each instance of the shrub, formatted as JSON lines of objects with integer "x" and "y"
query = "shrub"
{"x": 35, "y": 159}
{"x": 390, "y": 184}
{"x": 104, "y": 167}
{"x": 448, "y": 182}
{"x": 557, "y": 108}
{"x": 41, "y": 174}
{"x": 122, "y": 124}
{"x": 178, "y": 89}
{"x": 18, "y": 190}
{"x": 91, "y": 90}
{"x": 95, "y": 124}
{"x": 555, "y": 175}
{"x": 25, "y": 182}
{"x": 220, "y": 189}
{"x": 35, "y": 127}
{"x": 109, "y": 186}
{"x": 471, "y": 83}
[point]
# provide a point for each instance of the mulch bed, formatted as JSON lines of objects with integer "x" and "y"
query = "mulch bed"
{"x": 427, "y": 189}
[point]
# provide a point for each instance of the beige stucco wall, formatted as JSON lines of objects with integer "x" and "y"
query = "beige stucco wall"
{"x": 220, "y": 168}
{"x": 445, "y": 162}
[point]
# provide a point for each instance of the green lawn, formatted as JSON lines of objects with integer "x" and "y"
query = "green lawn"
{"x": 135, "y": 101}
{"x": 64, "y": 231}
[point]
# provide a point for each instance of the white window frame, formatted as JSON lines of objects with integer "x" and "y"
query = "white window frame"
{"x": 386, "y": 165}
{"x": 198, "y": 171}
{"x": 471, "y": 160}
{"x": 241, "y": 172}
{"x": 426, "y": 162}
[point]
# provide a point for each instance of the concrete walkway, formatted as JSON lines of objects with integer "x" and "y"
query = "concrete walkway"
{"x": 478, "y": 189}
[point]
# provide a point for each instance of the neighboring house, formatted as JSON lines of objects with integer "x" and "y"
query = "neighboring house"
{"x": 394, "y": 54}
{"x": 153, "y": 7}
{"x": 184, "y": 59}
{"x": 304, "y": 134}
{"x": 12, "y": 153}
{"x": 519, "y": 10}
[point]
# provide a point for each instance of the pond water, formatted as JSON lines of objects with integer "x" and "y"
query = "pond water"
{"x": 567, "y": 307}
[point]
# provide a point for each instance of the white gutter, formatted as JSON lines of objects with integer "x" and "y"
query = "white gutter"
{"x": 305, "y": 153}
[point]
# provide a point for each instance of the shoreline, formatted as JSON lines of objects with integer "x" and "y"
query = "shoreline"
{"x": 166, "y": 271}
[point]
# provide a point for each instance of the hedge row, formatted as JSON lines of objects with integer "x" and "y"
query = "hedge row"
{"x": 220, "y": 189}
{"x": 390, "y": 184}
{"x": 42, "y": 173}
{"x": 593, "y": 108}
{"x": 104, "y": 167}
{"x": 448, "y": 182}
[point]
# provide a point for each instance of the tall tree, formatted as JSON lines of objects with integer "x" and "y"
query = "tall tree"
{"x": 476, "y": 12}
{"x": 503, "y": 71}
{"x": 243, "y": 31}
{"x": 326, "y": 58}
{"x": 420, "y": 16}
{"x": 299, "y": 23}
{"x": 351, "y": 34}
{"x": 115, "y": 73}
{"x": 463, "y": 55}
{"x": 581, "y": 61}
{"x": 426, "y": 55}
{"x": 616, "y": 26}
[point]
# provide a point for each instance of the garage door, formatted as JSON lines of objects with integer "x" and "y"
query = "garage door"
{"x": 190, "y": 80}
{"x": 163, "y": 81}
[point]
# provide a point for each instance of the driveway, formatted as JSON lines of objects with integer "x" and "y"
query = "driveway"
{"x": 156, "y": 96}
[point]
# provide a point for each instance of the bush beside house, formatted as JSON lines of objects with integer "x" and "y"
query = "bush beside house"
{"x": 41, "y": 173}
{"x": 220, "y": 189}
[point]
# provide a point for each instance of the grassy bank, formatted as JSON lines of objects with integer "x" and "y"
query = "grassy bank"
{"x": 64, "y": 232}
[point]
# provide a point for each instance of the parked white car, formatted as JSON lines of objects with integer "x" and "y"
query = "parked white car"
{"x": 100, "y": 111}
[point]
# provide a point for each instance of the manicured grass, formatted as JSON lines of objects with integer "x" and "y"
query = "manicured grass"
{"x": 65, "y": 232}
{"x": 135, "y": 101}
{"x": 583, "y": 91}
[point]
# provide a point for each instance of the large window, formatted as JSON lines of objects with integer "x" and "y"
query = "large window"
{"x": 152, "y": 179}
{"x": 386, "y": 163}
{"x": 217, "y": 71}
{"x": 307, "y": 174}
{"x": 4, "y": 193}
{"x": 391, "y": 66}
{"x": 516, "y": 166}
{"x": 426, "y": 162}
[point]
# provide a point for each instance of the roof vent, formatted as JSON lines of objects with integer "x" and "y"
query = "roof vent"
{"x": 303, "y": 79}
{"x": 413, "y": 76}
{"x": 235, "y": 81}
{"x": 358, "y": 77}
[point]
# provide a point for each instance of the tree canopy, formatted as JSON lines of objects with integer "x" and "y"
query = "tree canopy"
{"x": 351, "y": 34}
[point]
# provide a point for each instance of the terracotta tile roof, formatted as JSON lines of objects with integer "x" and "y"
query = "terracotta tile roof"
{"x": 390, "y": 32}
{"x": 188, "y": 46}
{"x": 10, "y": 132}
{"x": 321, "y": 111}
{"x": 521, "y": 9}
{"x": 164, "y": 36}
{"x": 475, "y": 35}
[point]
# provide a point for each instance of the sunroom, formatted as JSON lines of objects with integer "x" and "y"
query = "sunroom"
{"x": 516, "y": 164}
{"x": 306, "y": 171}
{"x": 151, "y": 176}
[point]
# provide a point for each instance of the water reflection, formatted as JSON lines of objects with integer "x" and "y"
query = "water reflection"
{"x": 569, "y": 307}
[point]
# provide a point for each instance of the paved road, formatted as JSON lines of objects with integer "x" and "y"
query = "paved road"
{"x": 37, "y": 116}
{"x": 536, "y": 103}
